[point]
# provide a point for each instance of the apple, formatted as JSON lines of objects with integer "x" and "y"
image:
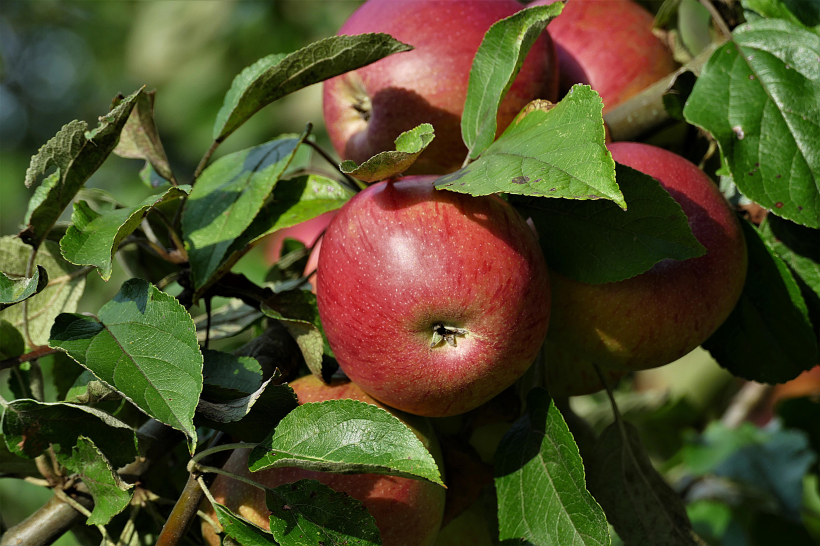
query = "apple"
{"x": 367, "y": 109}
{"x": 407, "y": 512}
{"x": 432, "y": 301}
{"x": 659, "y": 316}
{"x": 608, "y": 45}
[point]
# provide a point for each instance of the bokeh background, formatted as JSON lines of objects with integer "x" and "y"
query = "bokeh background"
{"x": 62, "y": 60}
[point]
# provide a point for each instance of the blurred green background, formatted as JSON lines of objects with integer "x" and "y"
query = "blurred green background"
{"x": 62, "y": 60}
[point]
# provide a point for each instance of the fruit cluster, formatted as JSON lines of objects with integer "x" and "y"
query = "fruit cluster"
{"x": 434, "y": 302}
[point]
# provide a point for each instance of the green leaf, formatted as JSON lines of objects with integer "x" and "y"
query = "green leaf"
{"x": 144, "y": 346}
{"x": 12, "y": 343}
{"x": 796, "y": 245}
{"x": 496, "y": 64}
{"x": 598, "y": 242}
{"x": 140, "y": 139}
{"x": 637, "y": 501}
{"x": 93, "y": 238}
{"x": 240, "y": 374}
{"x": 555, "y": 153}
{"x": 775, "y": 9}
{"x": 111, "y": 494}
{"x": 256, "y": 413}
{"x": 294, "y": 201}
{"x": 345, "y": 437}
{"x": 759, "y": 96}
{"x": 298, "y": 311}
{"x": 66, "y": 286}
{"x": 241, "y": 530}
{"x": 768, "y": 337}
{"x": 12, "y": 465}
{"x": 384, "y": 165}
{"x": 227, "y": 197}
{"x": 539, "y": 476}
{"x": 275, "y": 76}
{"x": 77, "y": 154}
{"x": 15, "y": 290}
{"x": 87, "y": 390}
{"x": 309, "y": 513}
{"x": 30, "y": 426}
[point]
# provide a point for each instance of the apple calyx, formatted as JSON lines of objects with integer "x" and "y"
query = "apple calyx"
{"x": 357, "y": 94}
{"x": 443, "y": 333}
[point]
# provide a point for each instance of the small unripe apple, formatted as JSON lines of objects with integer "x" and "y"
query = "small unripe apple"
{"x": 608, "y": 45}
{"x": 432, "y": 301}
{"x": 407, "y": 512}
{"x": 658, "y": 316}
{"x": 367, "y": 109}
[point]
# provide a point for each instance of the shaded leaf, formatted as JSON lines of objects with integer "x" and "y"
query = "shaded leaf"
{"x": 637, "y": 501}
{"x": 93, "y": 238}
{"x": 275, "y": 76}
{"x": 65, "y": 287}
{"x": 345, "y": 437}
{"x": 77, "y": 154}
{"x": 14, "y": 290}
{"x": 226, "y": 198}
{"x": 309, "y": 513}
{"x": 796, "y": 245}
{"x": 775, "y": 9}
{"x": 12, "y": 343}
{"x": 240, "y": 529}
{"x": 496, "y": 64}
{"x": 30, "y": 426}
{"x": 598, "y": 242}
{"x": 140, "y": 140}
{"x": 555, "y": 153}
{"x": 539, "y": 477}
{"x": 111, "y": 494}
{"x": 294, "y": 201}
{"x": 768, "y": 336}
{"x": 228, "y": 372}
{"x": 298, "y": 311}
{"x": 139, "y": 336}
{"x": 15, "y": 465}
{"x": 384, "y": 165}
{"x": 759, "y": 96}
{"x": 87, "y": 390}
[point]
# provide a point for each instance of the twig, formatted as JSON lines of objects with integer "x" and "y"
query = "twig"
{"x": 39, "y": 352}
{"x": 81, "y": 272}
{"x": 205, "y": 158}
{"x": 354, "y": 184}
{"x": 744, "y": 403}
{"x": 717, "y": 18}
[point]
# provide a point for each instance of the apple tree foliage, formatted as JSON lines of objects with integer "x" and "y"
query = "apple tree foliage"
{"x": 144, "y": 357}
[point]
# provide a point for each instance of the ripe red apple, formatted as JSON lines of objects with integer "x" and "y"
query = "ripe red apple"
{"x": 367, "y": 109}
{"x": 407, "y": 512}
{"x": 433, "y": 301}
{"x": 659, "y": 316}
{"x": 609, "y": 45}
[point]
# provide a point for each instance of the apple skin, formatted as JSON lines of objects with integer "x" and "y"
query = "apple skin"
{"x": 407, "y": 512}
{"x": 401, "y": 257}
{"x": 608, "y": 45}
{"x": 658, "y": 316}
{"x": 427, "y": 84}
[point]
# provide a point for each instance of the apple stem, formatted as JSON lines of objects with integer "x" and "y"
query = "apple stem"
{"x": 216, "y": 449}
{"x": 446, "y": 333}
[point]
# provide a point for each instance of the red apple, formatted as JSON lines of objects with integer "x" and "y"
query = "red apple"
{"x": 367, "y": 109}
{"x": 609, "y": 45}
{"x": 433, "y": 301}
{"x": 407, "y": 512}
{"x": 659, "y": 316}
